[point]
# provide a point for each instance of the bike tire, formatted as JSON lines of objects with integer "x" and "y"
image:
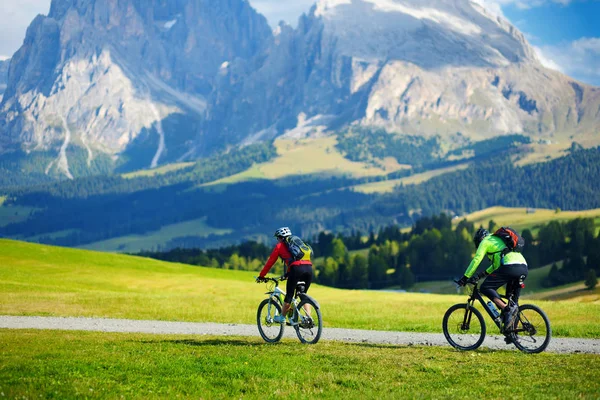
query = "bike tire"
{"x": 532, "y": 326}
{"x": 465, "y": 338}
{"x": 269, "y": 330}
{"x": 308, "y": 325}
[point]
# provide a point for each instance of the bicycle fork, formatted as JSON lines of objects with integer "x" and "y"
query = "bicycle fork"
{"x": 274, "y": 297}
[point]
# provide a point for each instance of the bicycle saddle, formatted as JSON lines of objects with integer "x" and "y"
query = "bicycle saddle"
{"x": 300, "y": 287}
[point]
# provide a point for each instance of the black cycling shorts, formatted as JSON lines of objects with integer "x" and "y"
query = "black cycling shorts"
{"x": 504, "y": 275}
{"x": 298, "y": 273}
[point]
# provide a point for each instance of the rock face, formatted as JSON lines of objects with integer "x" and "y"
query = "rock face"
{"x": 105, "y": 75}
{"x": 441, "y": 68}
{"x": 153, "y": 81}
{"x": 3, "y": 76}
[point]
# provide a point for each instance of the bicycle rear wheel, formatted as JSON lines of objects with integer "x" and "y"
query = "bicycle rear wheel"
{"x": 532, "y": 331}
{"x": 308, "y": 322}
{"x": 464, "y": 327}
{"x": 270, "y": 330}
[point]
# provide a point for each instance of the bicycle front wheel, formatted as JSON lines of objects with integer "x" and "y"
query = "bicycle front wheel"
{"x": 532, "y": 331}
{"x": 307, "y": 322}
{"x": 464, "y": 327}
{"x": 270, "y": 330}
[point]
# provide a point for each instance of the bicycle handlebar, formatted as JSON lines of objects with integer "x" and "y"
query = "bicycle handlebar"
{"x": 276, "y": 280}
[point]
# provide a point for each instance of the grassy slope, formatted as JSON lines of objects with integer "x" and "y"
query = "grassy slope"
{"x": 158, "y": 171}
{"x": 308, "y": 156}
{"x": 44, "y": 280}
{"x": 152, "y": 240}
{"x": 13, "y": 214}
{"x": 51, "y": 364}
{"x": 520, "y": 219}
{"x": 389, "y": 185}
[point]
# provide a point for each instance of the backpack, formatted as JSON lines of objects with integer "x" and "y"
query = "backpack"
{"x": 299, "y": 249}
{"x": 512, "y": 240}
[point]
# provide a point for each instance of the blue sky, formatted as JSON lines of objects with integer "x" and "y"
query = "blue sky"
{"x": 565, "y": 33}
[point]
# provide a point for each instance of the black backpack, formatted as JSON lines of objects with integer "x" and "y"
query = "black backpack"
{"x": 299, "y": 249}
{"x": 512, "y": 240}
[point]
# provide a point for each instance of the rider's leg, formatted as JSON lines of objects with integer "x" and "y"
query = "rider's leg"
{"x": 286, "y": 308}
{"x": 307, "y": 278}
{"x": 490, "y": 286}
{"x": 292, "y": 280}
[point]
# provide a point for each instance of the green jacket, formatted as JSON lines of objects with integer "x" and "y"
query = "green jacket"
{"x": 492, "y": 246}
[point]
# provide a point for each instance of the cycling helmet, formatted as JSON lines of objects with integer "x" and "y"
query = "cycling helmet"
{"x": 479, "y": 235}
{"x": 283, "y": 232}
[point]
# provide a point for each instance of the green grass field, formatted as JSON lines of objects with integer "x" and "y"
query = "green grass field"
{"x": 55, "y": 364}
{"x": 520, "y": 218}
{"x": 388, "y": 185}
{"x": 53, "y": 281}
{"x": 158, "y": 171}
{"x": 153, "y": 240}
{"x": 308, "y": 156}
{"x": 13, "y": 214}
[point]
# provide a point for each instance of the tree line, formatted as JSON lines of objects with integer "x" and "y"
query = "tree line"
{"x": 97, "y": 208}
{"x": 430, "y": 250}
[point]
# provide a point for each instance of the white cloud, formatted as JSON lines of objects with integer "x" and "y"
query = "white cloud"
{"x": 579, "y": 59}
{"x": 546, "y": 61}
{"x": 495, "y": 6}
{"x": 282, "y": 10}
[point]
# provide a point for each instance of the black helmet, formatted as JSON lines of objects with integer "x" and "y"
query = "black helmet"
{"x": 479, "y": 235}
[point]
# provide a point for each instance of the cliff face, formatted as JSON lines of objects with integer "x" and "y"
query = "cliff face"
{"x": 3, "y": 76}
{"x": 439, "y": 69}
{"x": 104, "y": 75}
{"x": 156, "y": 81}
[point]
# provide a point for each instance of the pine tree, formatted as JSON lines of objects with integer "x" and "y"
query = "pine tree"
{"x": 590, "y": 279}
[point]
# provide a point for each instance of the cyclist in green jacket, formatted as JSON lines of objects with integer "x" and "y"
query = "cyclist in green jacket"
{"x": 505, "y": 269}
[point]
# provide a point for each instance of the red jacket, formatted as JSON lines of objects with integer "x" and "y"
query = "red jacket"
{"x": 280, "y": 250}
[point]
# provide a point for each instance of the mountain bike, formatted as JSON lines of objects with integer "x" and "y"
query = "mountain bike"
{"x": 304, "y": 314}
{"x": 528, "y": 329}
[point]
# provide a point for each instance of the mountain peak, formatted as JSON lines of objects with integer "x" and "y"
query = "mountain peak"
{"x": 433, "y": 34}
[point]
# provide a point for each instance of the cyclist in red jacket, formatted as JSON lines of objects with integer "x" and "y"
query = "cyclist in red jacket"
{"x": 296, "y": 270}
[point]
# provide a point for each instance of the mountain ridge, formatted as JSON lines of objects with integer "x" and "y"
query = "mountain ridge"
{"x": 138, "y": 85}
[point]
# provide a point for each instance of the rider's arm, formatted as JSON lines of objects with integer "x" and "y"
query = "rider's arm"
{"x": 496, "y": 259}
{"x": 479, "y": 255}
{"x": 272, "y": 259}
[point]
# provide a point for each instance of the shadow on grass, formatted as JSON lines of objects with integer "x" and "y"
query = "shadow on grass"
{"x": 211, "y": 342}
{"x": 252, "y": 342}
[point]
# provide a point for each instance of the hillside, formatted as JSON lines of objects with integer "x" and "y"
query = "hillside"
{"x": 527, "y": 218}
{"x": 234, "y": 205}
{"x": 54, "y": 281}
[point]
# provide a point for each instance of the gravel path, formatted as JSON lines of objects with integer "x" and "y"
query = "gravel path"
{"x": 557, "y": 345}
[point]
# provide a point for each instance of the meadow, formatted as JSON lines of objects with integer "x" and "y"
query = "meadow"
{"x": 54, "y": 281}
{"x": 57, "y": 364}
{"x": 527, "y": 218}
{"x": 155, "y": 239}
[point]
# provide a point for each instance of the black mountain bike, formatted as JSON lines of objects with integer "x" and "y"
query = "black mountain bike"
{"x": 464, "y": 328}
{"x": 304, "y": 314}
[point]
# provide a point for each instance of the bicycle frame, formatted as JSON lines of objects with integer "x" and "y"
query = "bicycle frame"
{"x": 475, "y": 295}
{"x": 278, "y": 295}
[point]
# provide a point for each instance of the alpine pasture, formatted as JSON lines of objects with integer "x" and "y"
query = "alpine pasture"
{"x": 52, "y": 281}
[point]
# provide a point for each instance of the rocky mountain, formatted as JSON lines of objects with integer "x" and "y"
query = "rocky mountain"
{"x": 443, "y": 68}
{"x": 110, "y": 77}
{"x": 3, "y": 76}
{"x": 141, "y": 83}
